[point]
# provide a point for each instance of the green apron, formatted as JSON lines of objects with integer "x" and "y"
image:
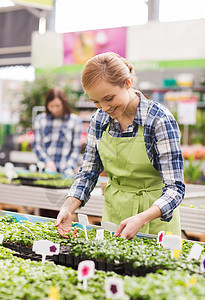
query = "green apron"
{"x": 134, "y": 184}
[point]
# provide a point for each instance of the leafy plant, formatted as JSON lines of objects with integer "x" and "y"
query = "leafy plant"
{"x": 192, "y": 171}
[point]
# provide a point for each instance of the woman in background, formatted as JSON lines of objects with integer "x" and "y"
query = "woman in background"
{"x": 57, "y": 134}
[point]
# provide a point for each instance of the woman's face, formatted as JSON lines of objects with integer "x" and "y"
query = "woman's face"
{"x": 55, "y": 107}
{"x": 111, "y": 99}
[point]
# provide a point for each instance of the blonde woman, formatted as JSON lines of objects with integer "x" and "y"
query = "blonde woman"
{"x": 137, "y": 142}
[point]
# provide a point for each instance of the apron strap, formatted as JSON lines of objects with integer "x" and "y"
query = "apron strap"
{"x": 135, "y": 190}
{"x": 140, "y": 130}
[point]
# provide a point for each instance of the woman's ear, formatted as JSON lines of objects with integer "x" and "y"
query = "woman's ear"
{"x": 128, "y": 84}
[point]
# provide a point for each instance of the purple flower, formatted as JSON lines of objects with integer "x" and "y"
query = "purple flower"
{"x": 113, "y": 288}
{"x": 53, "y": 248}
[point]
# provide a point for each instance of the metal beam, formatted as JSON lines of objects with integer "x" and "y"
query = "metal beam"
{"x": 153, "y": 10}
{"x": 13, "y": 50}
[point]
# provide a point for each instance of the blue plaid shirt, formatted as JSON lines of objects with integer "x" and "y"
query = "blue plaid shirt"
{"x": 162, "y": 140}
{"x": 58, "y": 140}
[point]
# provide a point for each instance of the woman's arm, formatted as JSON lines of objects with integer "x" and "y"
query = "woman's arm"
{"x": 168, "y": 161}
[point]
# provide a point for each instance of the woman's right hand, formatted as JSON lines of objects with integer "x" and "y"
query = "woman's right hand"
{"x": 64, "y": 222}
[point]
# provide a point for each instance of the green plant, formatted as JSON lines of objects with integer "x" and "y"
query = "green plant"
{"x": 192, "y": 171}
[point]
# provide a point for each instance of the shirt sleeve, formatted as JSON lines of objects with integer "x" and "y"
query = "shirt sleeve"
{"x": 37, "y": 144}
{"x": 91, "y": 168}
{"x": 169, "y": 162}
{"x": 72, "y": 160}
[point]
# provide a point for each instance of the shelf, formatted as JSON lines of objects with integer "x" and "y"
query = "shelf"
{"x": 201, "y": 104}
{"x": 85, "y": 105}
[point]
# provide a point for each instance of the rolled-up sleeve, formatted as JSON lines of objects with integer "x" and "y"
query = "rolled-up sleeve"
{"x": 169, "y": 162}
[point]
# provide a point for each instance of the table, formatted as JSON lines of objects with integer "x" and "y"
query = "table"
{"x": 192, "y": 219}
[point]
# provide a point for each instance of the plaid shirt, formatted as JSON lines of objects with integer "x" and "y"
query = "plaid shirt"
{"x": 162, "y": 140}
{"x": 58, "y": 140}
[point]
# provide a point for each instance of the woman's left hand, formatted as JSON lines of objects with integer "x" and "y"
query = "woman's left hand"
{"x": 130, "y": 227}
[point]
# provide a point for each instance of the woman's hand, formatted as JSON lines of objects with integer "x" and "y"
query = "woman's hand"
{"x": 50, "y": 166}
{"x": 64, "y": 222}
{"x": 131, "y": 226}
{"x": 64, "y": 218}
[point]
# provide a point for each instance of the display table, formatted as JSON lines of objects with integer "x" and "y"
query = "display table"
{"x": 192, "y": 219}
{"x": 28, "y": 196}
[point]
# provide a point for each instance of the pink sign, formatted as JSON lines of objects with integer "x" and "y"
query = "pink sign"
{"x": 81, "y": 46}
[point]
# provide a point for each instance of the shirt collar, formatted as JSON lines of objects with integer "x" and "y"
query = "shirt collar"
{"x": 142, "y": 109}
{"x": 141, "y": 113}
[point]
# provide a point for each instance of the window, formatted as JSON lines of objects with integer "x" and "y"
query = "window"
{"x": 82, "y": 15}
{"x": 178, "y": 10}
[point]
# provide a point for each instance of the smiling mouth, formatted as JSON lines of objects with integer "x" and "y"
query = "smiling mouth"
{"x": 111, "y": 112}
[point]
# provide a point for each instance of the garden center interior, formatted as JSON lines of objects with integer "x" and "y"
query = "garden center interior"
{"x": 44, "y": 44}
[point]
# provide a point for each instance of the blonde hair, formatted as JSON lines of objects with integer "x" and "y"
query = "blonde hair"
{"x": 108, "y": 66}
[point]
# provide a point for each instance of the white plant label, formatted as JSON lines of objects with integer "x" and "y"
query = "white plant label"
{"x": 32, "y": 168}
{"x": 45, "y": 247}
{"x": 1, "y": 238}
{"x": 160, "y": 237}
{"x": 9, "y": 166}
{"x": 41, "y": 166}
{"x": 83, "y": 219}
{"x": 172, "y": 242}
{"x": 86, "y": 270}
{"x": 195, "y": 251}
{"x": 100, "y": 234}
{"x": 114, "y": 288}
{"x": 109, "y": 226}
{"x": 10, "y": 174}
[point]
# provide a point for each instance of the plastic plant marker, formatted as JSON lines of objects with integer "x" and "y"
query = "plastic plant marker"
{"x": 32, "y": 168}
{"x": 41, "y": 166}
{"x": 172, "y": 242}
{"x": 10, "y": 174}
{"x": 86, "y": 270}
{"x": 192, "y": 281}
{"x": 177, "y": 253}
{"x": 195, "y": 251}
{"x": 202, "y": 265}
{"x": 114, "y": 288}
{"x": 83, "y": 219}
{"x": 160, "y": 237}
{"x": 54, "y": 293}
{"x": 8, "y": 166}
{"x": 100, "y": 234}
{"x": 1, "y": 238}
{"x": 85, "y": 230}
{"x": 44, "y": 248}
{"x": 109, "y": 226}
